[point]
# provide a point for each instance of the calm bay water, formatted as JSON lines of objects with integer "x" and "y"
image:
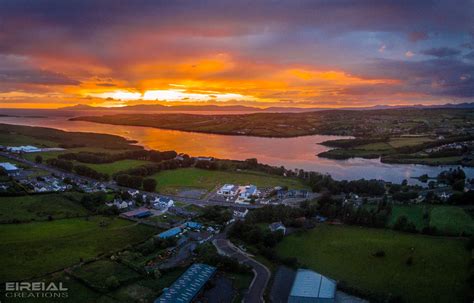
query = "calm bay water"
{"x": 300, "y": 152}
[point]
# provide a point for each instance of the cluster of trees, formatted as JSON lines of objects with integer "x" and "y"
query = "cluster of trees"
{"x": 136, "y": 182}
{"x": 61, "y": 164}
{"x": 262, "y": 239}
{"x": 465, "y": 198}
{"x": 150, "y": 169}
{"x": 454, "y": 177}
{"x": 349, "y": 214}
{"x": 217, "y": 214}
{"x": 86, "y": 171}
{"x": 274, "y": 213}
{"x": 81, "y": 170}
{"x": 95, "y": 203}
{"x": 320, "y": 182}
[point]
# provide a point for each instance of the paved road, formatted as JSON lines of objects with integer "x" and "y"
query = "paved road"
{"x": 261, "y": 272}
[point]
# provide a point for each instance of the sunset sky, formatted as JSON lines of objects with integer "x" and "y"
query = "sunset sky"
{"x": 257, "y": 53}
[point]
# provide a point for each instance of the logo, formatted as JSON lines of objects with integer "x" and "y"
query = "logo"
{"x": 35, "y": 290}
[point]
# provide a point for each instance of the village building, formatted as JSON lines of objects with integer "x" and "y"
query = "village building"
{"x": 9, "y": 167}
{"x": 23, "y": 149}
{"x": 240, "y": 212}
{"x": 228, "y": 190}
{"x": 277, "y": 226}
{"x": 312, "y": 287}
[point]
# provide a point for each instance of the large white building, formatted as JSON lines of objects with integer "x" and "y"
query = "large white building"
{"x": 312, "y": 287}
{"x": 228, "y": 190}
{"x": 23, "y": 149}
{"x": 9, "y": 167}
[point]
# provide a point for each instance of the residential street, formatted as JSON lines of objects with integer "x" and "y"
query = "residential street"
{"x": 261, "y": 272}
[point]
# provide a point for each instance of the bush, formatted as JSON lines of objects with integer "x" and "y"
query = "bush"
{"x": 379, "y": 254}
{"x": 112, "y": 282}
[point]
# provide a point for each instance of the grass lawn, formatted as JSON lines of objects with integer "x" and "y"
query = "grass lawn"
{"x": 438, "y": 274}
{"x": 171, "y": 181}
{"x": 414, "y": 214}
{"x": 451, "y": 220}
{"x": 39, "y": 207}
{"x": 34, "y": 249}
{"x": 112, "y": 168}
{"x": 408, "y": 141}
{"x": 18, "y": 140}
{"x": 96, "y": 273}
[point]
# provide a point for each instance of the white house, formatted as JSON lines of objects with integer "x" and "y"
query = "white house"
{"x": 240, "y": 212}
{"x": 246, "y": 193}
{"x": 162, "y": 202}
{"x": 276, "y": 226}
{"x": 228, "y": 190}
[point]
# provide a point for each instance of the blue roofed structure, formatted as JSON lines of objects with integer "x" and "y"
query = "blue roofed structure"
{"x": 170, "y": 233}
{"x": 312, "y": 287}
{"x": 193, "y": 225}
{"x": 188, "y": 285}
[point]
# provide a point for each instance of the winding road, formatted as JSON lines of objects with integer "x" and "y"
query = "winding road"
{"x": 261, "y": 272}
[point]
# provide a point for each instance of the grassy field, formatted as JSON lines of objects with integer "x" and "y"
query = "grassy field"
{"x": 39, "y": 207}
{"x": 111, "y": 168}
{"x": 452, "y": 220}
{"x": 408, "y": 141}
{"x": 438, "y": 273}
{"x": 96, "y": 273}
{"x": 414, "y": 214}
{"x": 34, "y": 249}
{"x": 171, "y": 181}
{"x": 18, "y": 140}
{"x": 448, "y": 220}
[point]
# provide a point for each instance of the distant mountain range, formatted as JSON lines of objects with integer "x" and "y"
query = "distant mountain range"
{"x": 242, "y": 108}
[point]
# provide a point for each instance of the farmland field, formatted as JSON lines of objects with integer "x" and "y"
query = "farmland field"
{"x": 96, "y": 273}
{"x": 171, "y": 181}
{"x": 438, "y": 273}
{"x": 64, "y": 242}
{"x": 414, "y": 214}
{"x": 112, "y": 168}
{"x": 39, "y": 207}
{"x": 452, "y": 220}
{"x": 448, "y": 220}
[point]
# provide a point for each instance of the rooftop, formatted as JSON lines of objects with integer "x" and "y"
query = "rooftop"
{"x": 170, "y": 233}
{"x": 8, "y": 166}
{"x": 311, "y": 284}
{"x": 188, "y": 285}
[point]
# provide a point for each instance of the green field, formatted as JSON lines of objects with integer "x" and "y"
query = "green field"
{"x": 448, "y": 220}
{"x": 452, "y": 220}
{"x": 34, "y": 249}
{"x": 18, "y": 140}
{"x": 112, "y": 168}
{"x": 408, "y": 141}
{"x": 171, "y": 181}
{"x": 39, "y": 207}
{"x": 96, "y": 273}
{"x": 438, "y": 273}
{"x": 414, "y": 214}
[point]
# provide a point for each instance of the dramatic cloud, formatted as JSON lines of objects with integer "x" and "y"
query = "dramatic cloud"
{"x": 303, "y": 52}
{"x": 441, "y": 52}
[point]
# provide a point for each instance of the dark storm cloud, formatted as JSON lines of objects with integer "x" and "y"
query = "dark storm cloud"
{"x": 116, "y": 36}
{"x": 35, "y": 77}
{"x": 441, "y": 52}
{"x": 433, "y": 77}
